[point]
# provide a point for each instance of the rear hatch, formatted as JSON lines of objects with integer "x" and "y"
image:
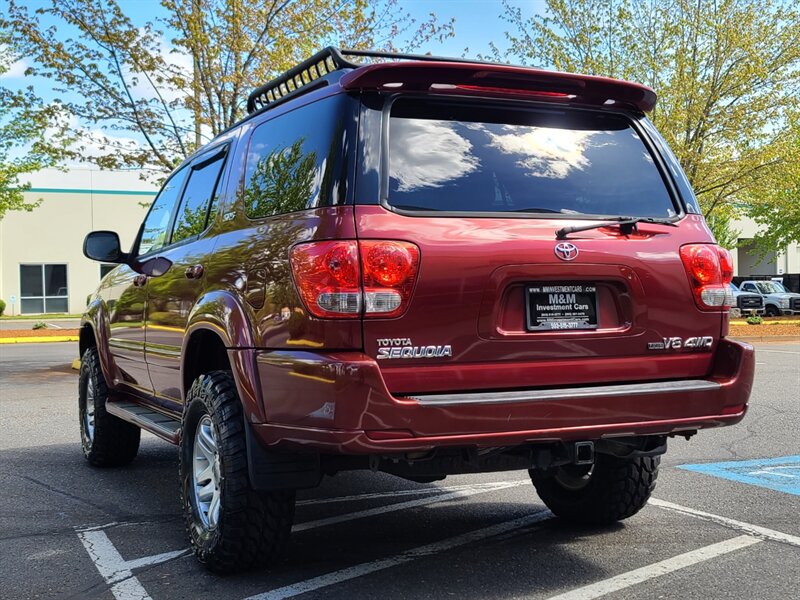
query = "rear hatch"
{"x": 501, "y": 302}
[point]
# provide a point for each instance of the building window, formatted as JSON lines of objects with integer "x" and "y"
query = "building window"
{"x": 106, "y": 269}
{"x": 43, "y": 289}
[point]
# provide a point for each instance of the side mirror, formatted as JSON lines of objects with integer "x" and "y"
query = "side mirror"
{"x": 103, "y": 246}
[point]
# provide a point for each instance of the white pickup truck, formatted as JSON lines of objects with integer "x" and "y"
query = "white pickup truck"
{"x": 746, "y": 303}
{"x": 777, "y": 299}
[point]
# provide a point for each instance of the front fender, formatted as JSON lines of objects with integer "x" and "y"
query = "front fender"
{"x": 96, "y": 318}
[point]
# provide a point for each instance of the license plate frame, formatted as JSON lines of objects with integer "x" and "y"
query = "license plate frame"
{"x": 561, "y": 306}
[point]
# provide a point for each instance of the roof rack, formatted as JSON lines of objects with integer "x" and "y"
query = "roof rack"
{"x": 306, "y": 76}
{"x": 313, "y": 73}
{"x": 402, "y": 56}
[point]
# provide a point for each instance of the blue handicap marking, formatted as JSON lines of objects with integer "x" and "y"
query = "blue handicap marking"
{"x": 781, "y": 474}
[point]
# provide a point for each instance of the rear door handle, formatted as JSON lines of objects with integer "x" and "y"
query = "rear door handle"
{"x": 139, "y": 280}
{"x": 194, "y": 272}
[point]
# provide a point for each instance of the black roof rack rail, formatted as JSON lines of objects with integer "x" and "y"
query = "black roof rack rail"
{"x": 402, "y": 56}
{"x": 313, "y": 73}
{"x": 298, "y": 79}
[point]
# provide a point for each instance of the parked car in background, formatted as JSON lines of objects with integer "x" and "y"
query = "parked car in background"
{"x": 422, "y": 267}
{"x": 746, "y": 303}
{"x": 777, "y": 300}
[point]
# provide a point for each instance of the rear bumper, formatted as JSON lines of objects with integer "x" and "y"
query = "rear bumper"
{"x": 338, "y": 403}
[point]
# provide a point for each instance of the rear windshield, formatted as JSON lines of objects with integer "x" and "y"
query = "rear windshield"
{"x": 474, "y": 159}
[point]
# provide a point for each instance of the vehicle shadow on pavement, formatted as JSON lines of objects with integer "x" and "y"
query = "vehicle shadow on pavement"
{"x": 62, "y": 493}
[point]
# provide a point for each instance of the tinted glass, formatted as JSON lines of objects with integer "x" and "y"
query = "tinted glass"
{"x": 193, "y": 212}
{"x": 55, "y": 305}
{"x": 294, "y": 160}
{"x": 30, "y": 280}
{"x": 678, "y": 175}
{"x": 154, "y": 235}
{"x": 55, "y": 280}
{"x": 476, "y": 159}
{"x": 769, "y": 287}
{"x": 106, "y": 269}
{"x": 31, "y": 305}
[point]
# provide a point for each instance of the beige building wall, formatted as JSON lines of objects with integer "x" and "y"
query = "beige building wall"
{"x": 787, "y": 260}
{"x": 73, "y": 204}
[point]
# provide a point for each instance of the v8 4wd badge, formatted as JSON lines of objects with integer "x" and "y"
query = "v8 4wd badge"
{"x": 676, "y": 343}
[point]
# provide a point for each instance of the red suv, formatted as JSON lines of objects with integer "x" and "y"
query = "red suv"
{"x": 419, "y": 266}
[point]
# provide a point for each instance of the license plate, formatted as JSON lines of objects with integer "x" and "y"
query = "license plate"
{"x": 555, "y": 306}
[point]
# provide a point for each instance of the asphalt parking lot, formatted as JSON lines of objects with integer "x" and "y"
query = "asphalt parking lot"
{"x": 729, "y": 530}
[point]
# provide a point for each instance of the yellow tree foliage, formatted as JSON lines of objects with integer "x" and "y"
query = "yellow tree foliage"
{"x": 179, "y": 80}
{"x": 727, "y": 74}
{"x": 32, "y": 137}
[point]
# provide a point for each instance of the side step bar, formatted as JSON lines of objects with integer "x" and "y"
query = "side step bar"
{"x": 630, "y": 389}
{"x": 165, "y": 427}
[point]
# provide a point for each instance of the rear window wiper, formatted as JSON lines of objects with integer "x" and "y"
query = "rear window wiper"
{"x": 627, "y": 225}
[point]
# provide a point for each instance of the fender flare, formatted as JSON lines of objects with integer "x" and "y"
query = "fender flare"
{"x": 96, "y": 318}
{"x": 221, "y": 313}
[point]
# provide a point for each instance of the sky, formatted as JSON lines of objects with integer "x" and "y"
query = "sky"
{"x": 477, "y": 21}
{"x": 477, "y": 24}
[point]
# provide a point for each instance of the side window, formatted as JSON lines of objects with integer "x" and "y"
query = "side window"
{"x": 296, "y": 161}
{"x": 749, "y": 287}
{"x": 193, "y": 212}
{"x": 156, "y": 224}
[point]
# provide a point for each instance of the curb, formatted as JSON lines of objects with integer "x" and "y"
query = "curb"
{"x": 40, "y": 340}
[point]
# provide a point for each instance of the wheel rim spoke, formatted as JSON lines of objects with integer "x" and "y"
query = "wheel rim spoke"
{"x": 206, "y": 478}
{"x": 89, "y": 410}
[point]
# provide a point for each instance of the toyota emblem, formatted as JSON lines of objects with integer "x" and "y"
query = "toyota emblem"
{"x": 566, "y": 251}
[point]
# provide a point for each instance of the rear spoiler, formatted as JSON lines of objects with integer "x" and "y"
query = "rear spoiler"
{"x": 464, "y": 78}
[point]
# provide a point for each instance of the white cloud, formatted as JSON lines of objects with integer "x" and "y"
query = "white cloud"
{"x": 428, "y": 153}
{"x": 180, "y": 62}
{"x": 16, "y": 68}
{"x": 544, "y": 151}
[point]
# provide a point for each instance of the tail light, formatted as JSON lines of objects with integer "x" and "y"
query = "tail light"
{"x": 342, "y": 279}
{"x": 710, "y": 271}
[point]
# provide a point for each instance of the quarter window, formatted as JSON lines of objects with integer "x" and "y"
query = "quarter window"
{"x": 295, "y": 161}
{"x": 43, "y": 289}
{"x": 194, "y": 209}
{"x": 156, "y": 224}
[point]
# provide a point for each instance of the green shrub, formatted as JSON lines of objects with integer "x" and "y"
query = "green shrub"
{"x": 40, "y": 325}
{"x": 754, "y": 320}
{"x": 2, "y": 307}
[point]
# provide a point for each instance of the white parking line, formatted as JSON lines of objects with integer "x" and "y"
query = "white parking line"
{"x": 118, "y": 573}
{"x": 749, "y": 528}
{"x": 620, "y": 582}
{"x": 115, "y": 570}
{"x": 379, "y": 510}
{"x": 366, "y": 568}
{"x": 412, "y": 492}
{"x": 762, "y": 349}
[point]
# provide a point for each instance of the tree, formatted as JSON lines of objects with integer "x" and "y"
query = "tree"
{"x": 727, "y": 73}
{"x": 282, "y": 181}
{"x": 127, "y": 80}
{"x": 32, "y": 137}
{"x": 776, "y": 205}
